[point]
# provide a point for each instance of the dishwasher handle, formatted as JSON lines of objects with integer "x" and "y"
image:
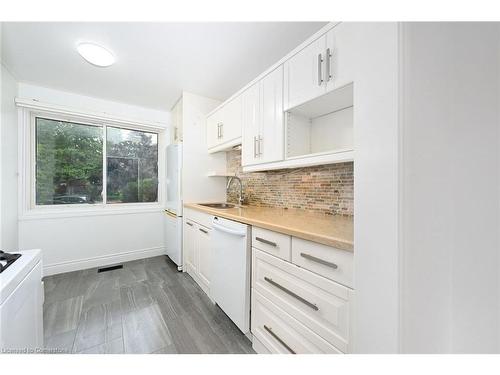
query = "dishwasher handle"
{"x": 224, "y": 229}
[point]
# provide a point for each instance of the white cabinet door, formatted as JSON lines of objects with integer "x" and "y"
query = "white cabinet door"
{"x": 225, "y": 124}
{"x": 203, "y": 245}
{"x": 251, "y": 124}
{"x": 213, "y": 133}
{"x": 189, "y": 246}
{"x": 304, "y": 74}
{"x": 340, "y": 66}
{"x": 271, "y": 139}
{"x": 231, "y": 120}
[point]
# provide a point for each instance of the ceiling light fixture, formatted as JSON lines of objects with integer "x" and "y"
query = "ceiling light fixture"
{"x": 95, "y": 54}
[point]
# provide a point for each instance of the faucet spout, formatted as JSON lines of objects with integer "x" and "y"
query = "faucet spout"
{"x": 231, "y": 179}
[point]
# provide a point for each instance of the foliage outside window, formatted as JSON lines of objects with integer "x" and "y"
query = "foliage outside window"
{"x": 70, "y": 168}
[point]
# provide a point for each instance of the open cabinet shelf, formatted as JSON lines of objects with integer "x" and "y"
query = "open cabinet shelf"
{"x": 321, "y": 126}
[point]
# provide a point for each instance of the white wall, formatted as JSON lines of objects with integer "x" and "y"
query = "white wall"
{"x": 9, "y": 167}
{"x": 376, "y": 199}
{"x": 82, "y": 102}
{"x": 450, "y": 187}
{"x": 75, "y": 242}
{"x": 197, "y": 163}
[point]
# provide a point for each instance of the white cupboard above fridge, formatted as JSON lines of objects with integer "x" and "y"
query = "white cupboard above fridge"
{"x": 224, "y": 126}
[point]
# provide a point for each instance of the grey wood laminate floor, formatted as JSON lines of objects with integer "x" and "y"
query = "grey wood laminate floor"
{"x": 146, "y": 307}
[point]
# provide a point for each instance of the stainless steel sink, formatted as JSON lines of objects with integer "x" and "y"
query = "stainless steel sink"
{"x": 222, "y": 206}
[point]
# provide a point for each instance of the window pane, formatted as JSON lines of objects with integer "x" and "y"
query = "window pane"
{"x": 132, "y": 166}
{"x": 68, "y": 162}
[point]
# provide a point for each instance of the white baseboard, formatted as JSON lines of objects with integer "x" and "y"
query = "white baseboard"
{"x": 82, "y": 264}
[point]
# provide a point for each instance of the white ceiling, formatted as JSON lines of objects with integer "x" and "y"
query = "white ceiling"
{"x": 155, "y": 61}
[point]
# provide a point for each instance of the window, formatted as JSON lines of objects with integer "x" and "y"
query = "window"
{"x": 132, "y": 166}
{"x": 70, "y": 167}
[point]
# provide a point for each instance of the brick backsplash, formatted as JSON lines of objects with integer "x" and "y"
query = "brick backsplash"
{"x": 325, "y": 188}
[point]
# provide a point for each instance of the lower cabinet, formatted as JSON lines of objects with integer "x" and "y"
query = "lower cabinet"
{"x": 300, "y": 307}
{"x": 197, "y": 253}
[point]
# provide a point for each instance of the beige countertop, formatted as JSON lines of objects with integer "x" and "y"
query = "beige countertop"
{"x": 331, "y": 230}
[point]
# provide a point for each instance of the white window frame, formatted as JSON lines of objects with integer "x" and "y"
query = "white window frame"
{"x": 28, "y": 111}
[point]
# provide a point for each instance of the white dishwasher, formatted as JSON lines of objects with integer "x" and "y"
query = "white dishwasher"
{"x": 231, "y": 257}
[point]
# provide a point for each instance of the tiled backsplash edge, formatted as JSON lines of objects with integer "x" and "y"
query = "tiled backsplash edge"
{"x": 326, "y": 188}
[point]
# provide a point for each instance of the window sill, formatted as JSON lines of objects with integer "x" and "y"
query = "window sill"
{"x": 100, "y": 210}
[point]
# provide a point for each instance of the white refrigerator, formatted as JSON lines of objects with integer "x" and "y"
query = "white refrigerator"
{"x": 173, "y": 209}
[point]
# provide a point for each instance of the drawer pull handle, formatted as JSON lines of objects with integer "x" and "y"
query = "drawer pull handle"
{"x": 270, "y": 330}
{"x": 294, "y": 295}
{"x": 319, "y": 260}
{"x": 267, "y": 242}
{"x": 203, "y": 230}
{"x": 188, "y": 223}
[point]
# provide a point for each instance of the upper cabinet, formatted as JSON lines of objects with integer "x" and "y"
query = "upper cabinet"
{"x": 325, "y": 64}
{"x": 300, "y": 112}
{"x": 304, "y": 74}
{"x": 341, "y": 55}
{"x": 262, "y": 106}
{"x": 224, "y": 126}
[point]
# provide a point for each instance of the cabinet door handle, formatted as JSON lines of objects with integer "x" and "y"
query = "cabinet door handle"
{"x": 219, "y": 131}
{"x": 259, "y": 143}
{"x": 203, "y": 230}
{"x": 320, "y": 73}
{"x": 188, "y": 223}
{"x": 222, "y": 130}
{"x": 319, "y": 260}
{"x": 255, "y": 147}
{"x": 267, "y": 242}
{"x": 290, "y": 293}
{"x": 328, "y": 65}
{"x": 277, "y": 338}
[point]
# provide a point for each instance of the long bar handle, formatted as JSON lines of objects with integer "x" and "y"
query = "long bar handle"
{"x": 255, "y": 147}
{"x": 203, "y": 230}
{"x": 319, "y": 260}
{"x": 320, "y": 70}
{"x": 275, "y": 336}
{"x": 188, "y": 223}
{"x": 267, "y": 242}
{"x": 328, "y": 65}
{"x": 294, "y": 295}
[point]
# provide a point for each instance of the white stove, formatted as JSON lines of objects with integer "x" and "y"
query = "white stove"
{"x": 21, "y": 302}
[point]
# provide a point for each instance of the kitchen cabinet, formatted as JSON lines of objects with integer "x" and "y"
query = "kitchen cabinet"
{"x": 190, "y": 254}
{"x": 196, "y": 246}
{"x": 224, "y": 126}
{"x": 304, "y": 75}
{"x": 251, "y": 125}
{"x": 341, "y": 56}
{"x": 324, "y": 65}
{"x": 204, "y": 259}
{"x": 262, "y": 112}
{"x": 302, "y": 296}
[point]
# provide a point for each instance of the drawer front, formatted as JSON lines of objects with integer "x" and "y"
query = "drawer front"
{"x": 280, "y": 333}
{"x": 277, "y": 244}
{"x": 320, "y": 304}
{"x": 324, "y": 260}
{"x": 199, "y": 217}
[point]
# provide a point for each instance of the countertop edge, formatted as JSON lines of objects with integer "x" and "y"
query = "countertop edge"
{"x": 314, "y": 237}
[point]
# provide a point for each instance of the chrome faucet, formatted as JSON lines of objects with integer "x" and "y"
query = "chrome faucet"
{"x": 240, "y": 198}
